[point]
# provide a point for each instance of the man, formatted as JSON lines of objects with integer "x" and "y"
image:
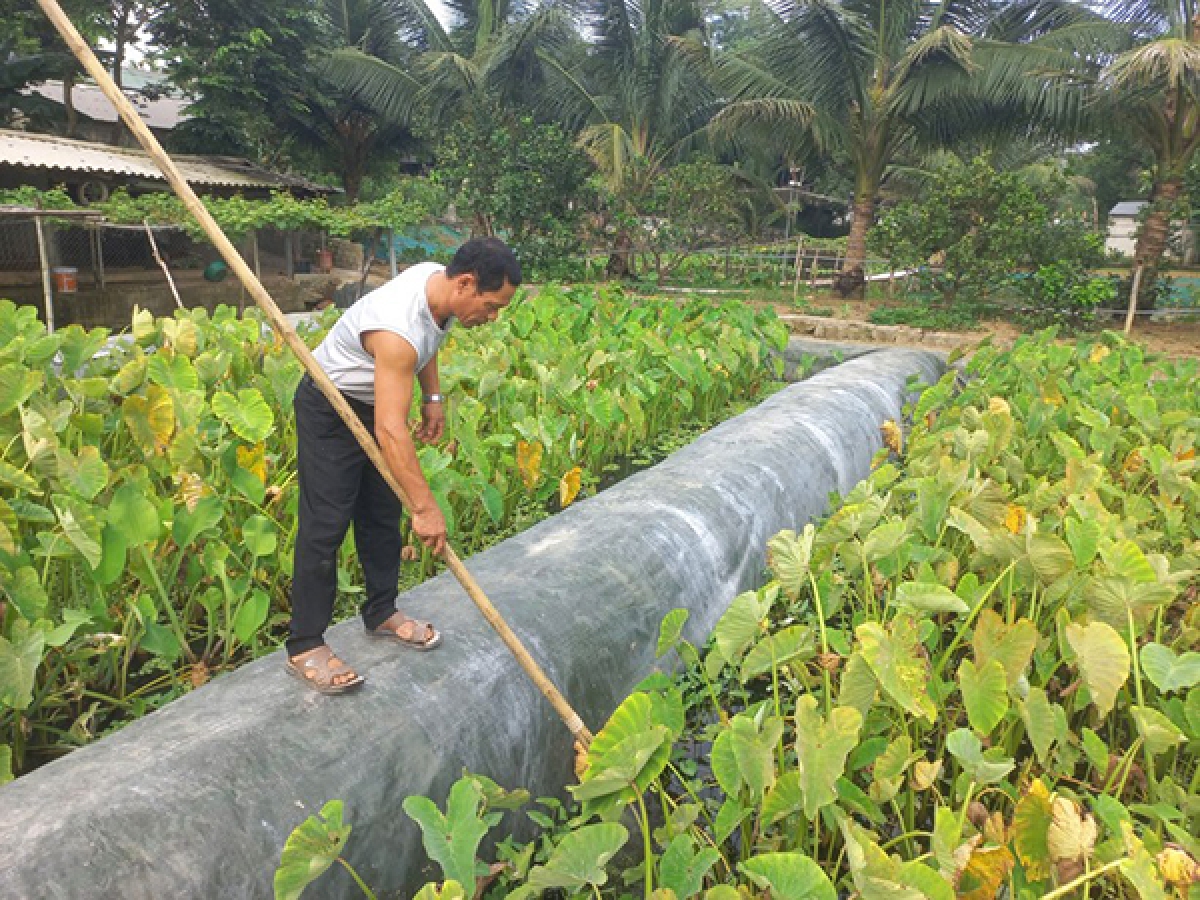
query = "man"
{"x": 383, "y": 343}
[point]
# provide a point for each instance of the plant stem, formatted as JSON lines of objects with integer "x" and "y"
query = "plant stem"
{"x": 357, "y": 880}
{"x": 1071, "y": 886}
{"x": 647, "y": 846}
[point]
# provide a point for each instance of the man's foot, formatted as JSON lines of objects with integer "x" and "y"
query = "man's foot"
{"x": 409, "y": 632}
{"x": 323, "y": 672}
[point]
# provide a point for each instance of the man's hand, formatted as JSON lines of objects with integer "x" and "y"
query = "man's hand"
{"x": 433, "y": 423}
{"x": 430, "y": 527}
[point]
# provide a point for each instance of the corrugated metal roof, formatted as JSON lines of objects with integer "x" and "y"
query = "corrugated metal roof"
{"x": 161, "y": 112}
{"x": 46, "y": 151}
{"x": 1127, "y": 208}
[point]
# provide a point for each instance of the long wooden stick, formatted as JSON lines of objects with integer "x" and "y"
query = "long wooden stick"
{"x": 85, "y": 55}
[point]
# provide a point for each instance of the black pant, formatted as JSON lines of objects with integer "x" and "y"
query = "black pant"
{"x": 339, "y": 485}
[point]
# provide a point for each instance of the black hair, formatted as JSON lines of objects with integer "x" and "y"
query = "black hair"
{"x": 489, "y": 260}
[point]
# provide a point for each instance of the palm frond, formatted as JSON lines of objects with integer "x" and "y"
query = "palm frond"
{"x": 389, "y": 90}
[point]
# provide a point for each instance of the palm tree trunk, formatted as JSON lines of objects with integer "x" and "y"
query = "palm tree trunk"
{"x": 1152, "y": 240}
{"x": 852, "y": 280}
{"x": 69, "y": 102}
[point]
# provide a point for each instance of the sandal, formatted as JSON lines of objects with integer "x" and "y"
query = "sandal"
{"x": 390, "y": 630}
{"x": 320, "y": 668}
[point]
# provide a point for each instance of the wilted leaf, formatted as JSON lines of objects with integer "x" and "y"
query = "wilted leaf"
{"x": 253, "y": 459}
{"x": 985, "y": 871}
{"x": 1103, "y": 660}
{"x": 151, "y": 419}
{"x": 1070, "y": 838}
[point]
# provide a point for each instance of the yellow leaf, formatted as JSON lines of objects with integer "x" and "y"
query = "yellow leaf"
{"x": 568, "y": 487}
{"x": 893, "y": 437}
{"x": 192, "y": 488}
{"x": 924, "y": 774}
{"x": 529, "y": 463}
{"x": 1133, "y": 462}
{"x": 1031, "y": 822}
{"x": 151, "y": 418}
{"x": 999, "y": 406}
{"x": 1015, "y": 518}
{"x": 254, "y": 460}
{"x": 1177, "y": 868}
{"x": 1098, "y": 353}
{"x": 986, "y": 870}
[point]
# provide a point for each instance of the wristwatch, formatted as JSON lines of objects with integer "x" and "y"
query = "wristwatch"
{"x": 434, "y": 398}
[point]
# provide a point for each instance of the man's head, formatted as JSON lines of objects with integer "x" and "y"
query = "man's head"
{"x": 484, "y": 275}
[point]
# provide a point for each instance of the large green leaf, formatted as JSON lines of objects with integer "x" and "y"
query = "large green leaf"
{"x": 190, "y": 524}
{"x": 638, "y": 714}
{"x": 1045, "y": 723}
{"x": 894, "y": 659}
{"x": 20, "y": 657}
{"x": 985, "y": 694}
{"x": 1010, "y": 645}
{"x": 788, "y": 557}
{"x": 452, "y": 840}
{"x": 857, "y": 686}
{"x": 754, "y": 751}
{"x": 670, "y": 630}
{"x": 85, "y": 473}
{"x": 682, "y": 867}
{"x": 740, "y": 625}
{"x": 259, "y": 537}
{"x": 11, "y": 476}
{"x": 1102, "y": 659}
{"x": 577, "y": 862}
{"x": 134, "y": 516}
{"x": 624, "y": 765}
{"x": 1050, "y": 557}
{"x": 790, "y": 876}
{"x": 17, "y": 384}
{"x": 23, "y": 586}
{"x": 1084, "y": 537}
{"x": 310, "y": 850}
{"x": 1159, "y": 733}
{"x": 920, "y": 596}
{"x": 173, "y": 371}
{"x": 783, "y": 800}
{"x": 983, "y": 768}
{"x": 247, "y": 414}
{"x": 80, "y": 527}
{"x": 1169, "y": 672}
{"x": 251, "y": 615}
{"x": 821, "y": 748}
{"x": 776, "y": 649}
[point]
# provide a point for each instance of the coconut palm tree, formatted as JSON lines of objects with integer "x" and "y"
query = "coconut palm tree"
{"x": 880, "y": 80}
{"x": 490, "y": 54}
{"x": 1151, "y": 93}
{"x": 639, "y": 95}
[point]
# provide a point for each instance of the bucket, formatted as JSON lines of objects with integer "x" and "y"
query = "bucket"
{"x": 65, "y": 278}
{"x": 324, "y": 261}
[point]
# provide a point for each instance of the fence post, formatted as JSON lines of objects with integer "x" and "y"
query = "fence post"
{"x": 43, "y": 258}
{"x": 891, "y": 289}
{"x": 254, "y": 251}
{"x": 1133, "y": 299}
{"x": 289, "y": 261}
{"x": 796, "y": 281}
{"x": 391, "y": 239}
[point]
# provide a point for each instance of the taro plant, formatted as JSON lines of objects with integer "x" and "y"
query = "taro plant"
{"x": 977, "y": 678}
{"x": 147, "y": 480}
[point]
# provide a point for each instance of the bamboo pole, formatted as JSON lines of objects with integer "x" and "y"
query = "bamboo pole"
{"x": 229, "y": 253}
{"x": 1133, "y": 299}
{"x": 44, "y": 259}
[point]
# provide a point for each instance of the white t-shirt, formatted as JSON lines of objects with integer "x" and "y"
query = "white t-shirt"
{"x": 401, "y": 307}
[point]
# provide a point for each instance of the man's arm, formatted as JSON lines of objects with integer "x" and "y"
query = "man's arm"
{"x": 395, "y": 364}
{"x": 433, "y": 415}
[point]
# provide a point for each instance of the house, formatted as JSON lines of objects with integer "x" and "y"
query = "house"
{"x": 90, "y": 171}
{"x": 1123, "y": 222}
{"x": 96, "y": 118}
